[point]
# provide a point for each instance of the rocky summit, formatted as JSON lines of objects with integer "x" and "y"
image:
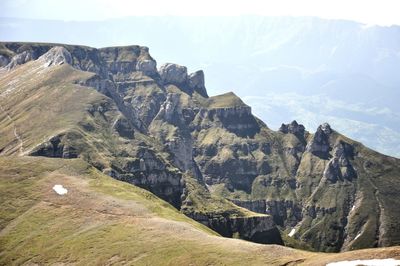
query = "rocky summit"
{"x": 209, "y": 157}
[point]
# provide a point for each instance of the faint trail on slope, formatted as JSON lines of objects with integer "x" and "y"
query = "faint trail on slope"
{"x": 15, "y": 131}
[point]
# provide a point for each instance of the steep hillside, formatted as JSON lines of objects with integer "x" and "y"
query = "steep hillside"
{"x": 159, "y": 130}
{"x": 103, "y": 221}
{"x": 100, "y": 220}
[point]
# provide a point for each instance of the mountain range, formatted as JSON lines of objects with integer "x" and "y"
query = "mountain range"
{"x": 193, "y": 168}
{"x": 287, "y": 68}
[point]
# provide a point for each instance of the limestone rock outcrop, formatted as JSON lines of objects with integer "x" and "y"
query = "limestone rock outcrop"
{"x": 3, "y": 61}
{"x": 20, "y": 59}
{"x": 293, "y": 128}
{"x": 259, "y": 229}
{"x": 339, "y": 167}
{"x": 196, "y": 83}
{"x": 57, "y": 55}
{"x": 319, "y": 145}
{"x": 173, "y": 74}
{"x": 56, "y": 147}
{"x": 147, "y": 66}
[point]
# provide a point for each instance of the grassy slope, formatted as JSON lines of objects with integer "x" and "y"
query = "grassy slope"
{"x": 101, "y": 220}
{"x": 204, "y": 202}
{"x": 30, "y": 103}
{"x": 225, "y": 100}
{"x": 37, "y": 103}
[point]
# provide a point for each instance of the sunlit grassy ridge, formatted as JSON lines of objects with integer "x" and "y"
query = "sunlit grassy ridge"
{"x": 99, "y": 220}
{"x": 104, "y": 221}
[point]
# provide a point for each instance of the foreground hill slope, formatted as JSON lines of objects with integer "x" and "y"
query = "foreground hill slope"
{"x": 104, "y": 221}
{"x": 207, "y": 156}
{"x": 101, "y": 220}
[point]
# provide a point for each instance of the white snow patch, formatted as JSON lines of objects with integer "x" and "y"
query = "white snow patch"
{"x": 292, "y": 232}
{"x": 374, "y": 262}
{"x": 60, "y": 190}
{"x": 357, "y": 236}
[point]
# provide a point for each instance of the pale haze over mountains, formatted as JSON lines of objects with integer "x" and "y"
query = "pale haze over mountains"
{"x": 309, "y": 69}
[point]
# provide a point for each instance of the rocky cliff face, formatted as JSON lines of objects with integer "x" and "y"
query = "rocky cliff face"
{"x": 259, "y": 229}
{"x": 208, "y": 156}
{"x": 57, "y": 55}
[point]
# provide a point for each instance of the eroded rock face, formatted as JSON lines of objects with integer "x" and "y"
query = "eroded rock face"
{"x": 55, "y": 147}
{"x": 283, "y": 212}
{"x": 147, "y": 66}
{"x": 169, "y": 126}
{"x": 293, "y": 128}
{"x": 173, "y": 74}
{"x": 3, "y": 61}
{"x": 170, "y": 110}
{"x": 20, "y": 59}
{"x": 319, "y": 145}
{"x": 57, "y": 55}
{"x": 339, "y": 167}
{"x": 237, "y": 120}
{"x": 108, "y": 88}
{"x": 144, "y": 168}
{"x": 259, "y": 229}
{"x": 124, "y": 128}
{"x": 196, "y": 83}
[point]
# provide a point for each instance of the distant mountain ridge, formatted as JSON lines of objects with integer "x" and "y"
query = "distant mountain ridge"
{"x": 270, "y": 62}
{"x": 210, "y": 157}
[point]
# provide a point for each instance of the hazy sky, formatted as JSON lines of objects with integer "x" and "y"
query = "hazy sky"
{"x": 382, "y": 12}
